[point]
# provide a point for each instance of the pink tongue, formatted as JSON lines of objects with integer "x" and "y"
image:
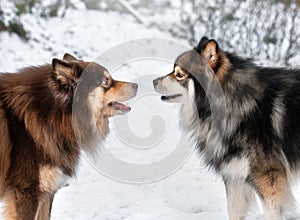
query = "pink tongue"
{"x": 119, "y": 106}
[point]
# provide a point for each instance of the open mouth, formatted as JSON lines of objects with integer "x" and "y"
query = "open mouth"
{"x": 170, "y": 97}
{"x": 120, "y": 107}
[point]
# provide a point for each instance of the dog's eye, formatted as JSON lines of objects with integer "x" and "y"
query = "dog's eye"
{"x": 105, "y": 82}
{"x": 180, "y": 75}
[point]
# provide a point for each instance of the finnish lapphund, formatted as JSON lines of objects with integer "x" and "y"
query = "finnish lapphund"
{"x": 246, "y": 123}
{"x": 47, "y": 115}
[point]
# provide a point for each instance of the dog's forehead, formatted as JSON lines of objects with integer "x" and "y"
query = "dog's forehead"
{"x": 106, "y": 73}
{"x": 191, "y": 61}
{"x": 178, "y": 69}
{"x": 98, "y": 68}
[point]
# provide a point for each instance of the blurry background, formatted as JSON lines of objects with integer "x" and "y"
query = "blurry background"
{"x": 266, "y": 30}
{"x": 32, "y": 32}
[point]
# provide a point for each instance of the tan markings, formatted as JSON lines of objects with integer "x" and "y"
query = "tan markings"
{"x": 106, "y": 74}
{"x": 272, "y": 187}
{"x": 216, "y": 59}
{"x": 10, "y": 211}
{"x": 48, "y": 185}
{"x": 48, "y": 179}
{"x": 63, "y": 72}
{"x": 120, "y": 91}
{"x": 210, "y": 54}
{"x": 179, "y": 69}
{"x": 179, "y": 73}
{"x": 224, "y": 66}
{"x": 44, "y": 207}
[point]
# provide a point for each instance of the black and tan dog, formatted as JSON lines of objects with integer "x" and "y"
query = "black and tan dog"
{"x": 44, "y": 124}
{"x": 246, "y": 123}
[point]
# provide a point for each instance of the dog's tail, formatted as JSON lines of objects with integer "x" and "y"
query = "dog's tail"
{"x": 5, "y": 150}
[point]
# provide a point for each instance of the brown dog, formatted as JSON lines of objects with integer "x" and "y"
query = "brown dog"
{"x": 44, "y": 124}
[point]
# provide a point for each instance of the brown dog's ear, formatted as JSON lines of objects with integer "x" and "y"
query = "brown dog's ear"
{"x": 63, "y": 70}
{"x": 209, "y": 50}
{"x": 69, "y": 57}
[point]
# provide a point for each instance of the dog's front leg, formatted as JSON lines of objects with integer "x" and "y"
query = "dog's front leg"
{"x": 44, "y": 208}
{"x": 21, "y": 204}
{"x": 240, "y": 196}
{"x": 50, "y": 181}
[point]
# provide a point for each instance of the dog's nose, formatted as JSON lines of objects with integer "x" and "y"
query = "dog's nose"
{"x": 155, "y": 82}
{"x": 135, "y": 85}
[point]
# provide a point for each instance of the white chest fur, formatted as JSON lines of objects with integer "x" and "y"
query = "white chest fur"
{"x": 51, "y": 179}
{"x": 237, "y": 168}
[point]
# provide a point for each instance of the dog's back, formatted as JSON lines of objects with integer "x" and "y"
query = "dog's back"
{"x": 275, "y": 120}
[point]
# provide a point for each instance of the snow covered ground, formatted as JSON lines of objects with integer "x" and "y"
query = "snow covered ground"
{"x": 189, "y": 193}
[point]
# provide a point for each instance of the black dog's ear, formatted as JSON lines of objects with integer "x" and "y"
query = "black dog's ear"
{"x": 63, "y": 70}
{"x": 209, "y": 49}
{"x": 69, "y": 57}
{"x": 202, "y": 44}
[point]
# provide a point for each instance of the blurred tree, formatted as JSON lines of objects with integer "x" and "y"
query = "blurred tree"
{"x": 259, "y": 29}
{"x": 11, "y": 13}
{"x": 10, "y": 22}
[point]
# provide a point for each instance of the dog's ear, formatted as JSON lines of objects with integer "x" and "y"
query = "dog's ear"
{"x": 202, "y": 44}
{"x": 64, "y": 71}
{"x": 69, "y": 57}
{"x": 209, "y": 49}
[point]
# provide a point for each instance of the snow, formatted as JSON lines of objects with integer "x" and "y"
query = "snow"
{"x": 188, "y": 192}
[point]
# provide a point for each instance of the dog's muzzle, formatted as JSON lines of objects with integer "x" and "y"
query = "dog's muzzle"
{"x": 155, "y": 82}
